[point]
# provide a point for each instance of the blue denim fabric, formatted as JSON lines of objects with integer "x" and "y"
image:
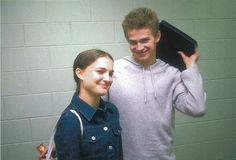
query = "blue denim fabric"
{"x": 101, "y": 138}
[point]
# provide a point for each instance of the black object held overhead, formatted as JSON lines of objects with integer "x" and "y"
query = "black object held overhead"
{"x": 174, "y": 40}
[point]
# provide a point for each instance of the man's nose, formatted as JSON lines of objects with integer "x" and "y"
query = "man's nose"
{"x": 139, "y": 46}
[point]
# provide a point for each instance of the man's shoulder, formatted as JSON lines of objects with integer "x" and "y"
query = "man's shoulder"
{"x": 163, "y": 66}
{"x": 120, "y": 63}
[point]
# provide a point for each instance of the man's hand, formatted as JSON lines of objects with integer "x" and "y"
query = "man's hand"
{"x": 189, "y": 61}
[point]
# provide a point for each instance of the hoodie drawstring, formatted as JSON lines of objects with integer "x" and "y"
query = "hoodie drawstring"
{"x": 155, "y": 92}
{"x": 144, "y": 85}
{"x": 130, "y": 59}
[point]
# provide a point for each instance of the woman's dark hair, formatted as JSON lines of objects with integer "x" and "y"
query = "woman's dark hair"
{"x": 84, "y": 59}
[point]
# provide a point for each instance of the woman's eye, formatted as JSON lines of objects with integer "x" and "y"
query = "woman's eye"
{"x": 100, "y": 72}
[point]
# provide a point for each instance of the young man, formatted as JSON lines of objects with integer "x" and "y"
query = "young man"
{"x": 147, "y": 91}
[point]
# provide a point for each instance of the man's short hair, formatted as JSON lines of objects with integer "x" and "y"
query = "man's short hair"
{"x": 141, "y": 18}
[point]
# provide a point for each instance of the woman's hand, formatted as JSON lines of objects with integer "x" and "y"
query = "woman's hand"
{"x": 43, "y": 152}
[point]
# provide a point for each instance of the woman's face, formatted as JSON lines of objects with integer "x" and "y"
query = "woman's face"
{"x": 96, "y": 79}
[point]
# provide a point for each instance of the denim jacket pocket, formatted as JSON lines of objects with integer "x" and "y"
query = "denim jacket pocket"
{"x": 117, "y": 135}
{"x": 116, "y": 130}
{"x": 92, "y": 139}
{"x": 91, "y": 143}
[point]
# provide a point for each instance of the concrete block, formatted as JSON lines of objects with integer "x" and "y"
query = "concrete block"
{"x": 215, "y": 29}
{"x": 14, "y": 11}
{"x": 13, "y": 59}
{"x": 62, "y": 80}
{"x": 92, "y": 32}
{"x": 69, "y": 10}
{"x": 60, "y": 100}
{"x": 39, "y": 81}
{"x": 63, "y": 56}
{"x": 12, "y": 35}
{"x": 22, "y": 151}
{"x": 26, "y": 58}
{"x": 16, "y": 131}
{"x": 14, "y": 83}
{"x": 26, "y": 106}
{"x": 44, "y": 34}
{"x": 206, "y": 131}
{"x": 218, "y": 69}
{"x": 217, "y": 49}
{"x": 42, "y": 127}
{"x": 219, "y": 109}
{"x": 115, "y": 10}
{"x": 220, "y": 88}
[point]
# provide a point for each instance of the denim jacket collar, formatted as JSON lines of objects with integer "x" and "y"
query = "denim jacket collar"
{"x": 85, "y": 109}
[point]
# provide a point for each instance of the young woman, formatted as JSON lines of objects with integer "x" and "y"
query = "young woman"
{"x": 98, "y": 137}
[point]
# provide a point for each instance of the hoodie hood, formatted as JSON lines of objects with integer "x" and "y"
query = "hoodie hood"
{"x": 157, "y": 66}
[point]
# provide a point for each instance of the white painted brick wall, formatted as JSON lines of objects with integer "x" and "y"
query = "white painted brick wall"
{"x": 12, "y": 35}
{"x": 69, "y": 10}
{"x": 41, "y": 34}
{"x": 106, "y": 10}
{"x": 25, "y": 58}
{"x": 44, "y": 123}
{"x": 14, "y": 83}
{"x": 30, "y": 11}
{"x": 27, "y": 106}
{"x": 102, "y": 32}
{"x": 11, "y": 135}
{"x": 41, "y": 38}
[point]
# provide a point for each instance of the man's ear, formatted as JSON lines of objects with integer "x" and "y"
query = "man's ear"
{"x": 79, "y": 73}
{"x": 158, "y": 36}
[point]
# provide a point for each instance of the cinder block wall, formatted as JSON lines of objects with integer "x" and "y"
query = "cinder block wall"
{"x": 40, "y": 39}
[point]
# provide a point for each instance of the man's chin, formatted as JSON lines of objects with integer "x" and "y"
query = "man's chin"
{"x": 141, "y": 57}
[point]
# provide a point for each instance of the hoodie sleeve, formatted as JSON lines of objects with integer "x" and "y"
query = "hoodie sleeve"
{"x": 189, "y": 94}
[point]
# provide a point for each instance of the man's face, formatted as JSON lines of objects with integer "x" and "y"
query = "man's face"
{"x": 142, "y": 44}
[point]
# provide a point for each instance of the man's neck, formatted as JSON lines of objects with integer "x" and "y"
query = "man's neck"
{"x": 145, "y": 63}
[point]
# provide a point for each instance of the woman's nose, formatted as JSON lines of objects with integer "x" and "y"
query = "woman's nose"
{"x": 106, "y": 77}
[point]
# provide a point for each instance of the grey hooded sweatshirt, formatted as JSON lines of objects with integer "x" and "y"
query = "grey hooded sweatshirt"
{"x": 147, "y": 99}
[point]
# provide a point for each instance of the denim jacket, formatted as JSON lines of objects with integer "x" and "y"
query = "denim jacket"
{"x": 101, "y": 139}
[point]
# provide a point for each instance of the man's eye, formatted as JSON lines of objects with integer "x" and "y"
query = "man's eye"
{"x": 144, "y": 40}
{"x": 132, "y": 42}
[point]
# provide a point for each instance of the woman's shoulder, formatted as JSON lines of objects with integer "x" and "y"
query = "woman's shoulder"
{"x": 67, "y": 117}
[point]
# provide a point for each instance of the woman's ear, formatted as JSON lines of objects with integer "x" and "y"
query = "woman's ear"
{"x": 79, "y": 73}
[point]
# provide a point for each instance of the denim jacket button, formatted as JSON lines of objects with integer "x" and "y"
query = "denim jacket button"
{"x": 105, "y": 128}
{"x": 93, "y": 138}
{"x": 110, "y": 147}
